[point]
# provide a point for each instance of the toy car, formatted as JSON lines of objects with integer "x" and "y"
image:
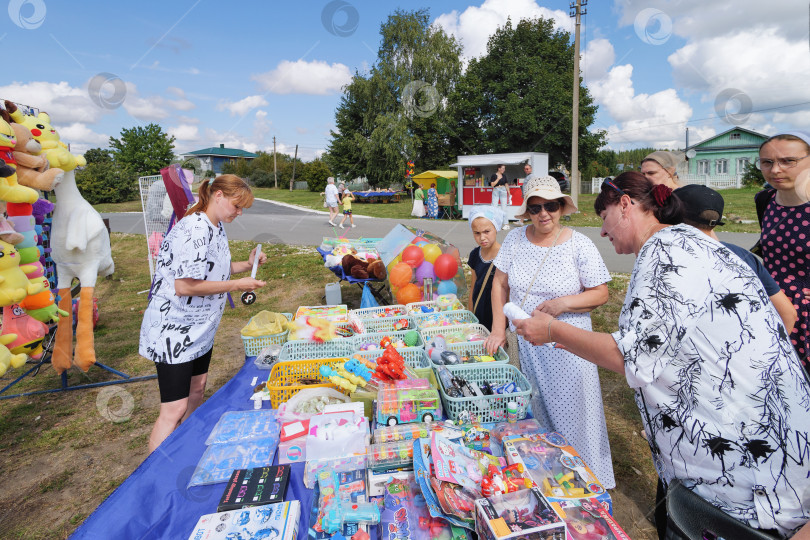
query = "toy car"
{"x": 398, "y": 406}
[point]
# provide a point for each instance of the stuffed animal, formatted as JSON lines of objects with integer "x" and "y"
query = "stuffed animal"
{"x": 10, "y": 190}
{"x": 6, "y": 358}
{"x": 29, "y": 331}
{"x": 32, "y": 168}
{"x": 376, "y": 269}
{"x": 355, "y": 267}
{"x": 42, "y": 306}
{"x": 55, "y": 150}
{"x": 14, "y": 282}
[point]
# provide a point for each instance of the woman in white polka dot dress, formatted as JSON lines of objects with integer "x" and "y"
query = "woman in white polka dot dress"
{"x": 571, "y": 282}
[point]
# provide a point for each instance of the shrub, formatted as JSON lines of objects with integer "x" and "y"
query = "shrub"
{"x": 107, "y": 183}
{"x": 261, "y": 178}
{"x": 752, "y": 176}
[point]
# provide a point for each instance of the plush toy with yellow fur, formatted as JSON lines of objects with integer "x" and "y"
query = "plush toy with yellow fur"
{"x": 7, "y": 359}
{"x": 10, "y": 190}
{"x": 14, "y": 282}
{"x": 33, "y": 169}
{"x": 55, "y": 150}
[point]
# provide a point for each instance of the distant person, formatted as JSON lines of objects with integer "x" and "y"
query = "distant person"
{"x": 348, "y": 197}
{"x": 661, "y": 168}
{"x": 192, "y": 279}
{"x": 527, "y": 170}
{"x": 418, "y": 202}
{"x": 785, "y": 163}
{"x": 332, "y": 200}
{"x": 500, "y": 195}
{"x": 703, "y": 210}
{"x": 432, "y": 202}
{"x": 485, "y": 222}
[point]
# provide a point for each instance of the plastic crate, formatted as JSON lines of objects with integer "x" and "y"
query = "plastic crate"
{"x": 368, "y": 337}
{"x": 487, "y": 408}
{"x": 463, "y": 316}
{"x": 304, "y": 350}
{"x": 478, "y": 348}
{"x": 416, "y": 307}
{"x": 254, "y": 345}
{"x": 379, "y": 311}
{"x": 383, "y": 324}
{"x": 281, "y": 381}
{"x": 413, "y": 356}
{"x": 429, "y": 333}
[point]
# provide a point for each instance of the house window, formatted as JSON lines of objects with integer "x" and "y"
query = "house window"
{"x": 721, "y": 166}
{"x": 742, "y": 163}
{"x": 734, "y": 137}
{"x": 703, "y": 166}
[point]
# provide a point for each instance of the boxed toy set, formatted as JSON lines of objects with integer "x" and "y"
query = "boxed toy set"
{"x": 255, "y": 487}
{"x": 276, "y": 521}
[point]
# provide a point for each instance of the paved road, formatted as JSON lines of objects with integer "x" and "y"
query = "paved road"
{"x": 268, "y": 221}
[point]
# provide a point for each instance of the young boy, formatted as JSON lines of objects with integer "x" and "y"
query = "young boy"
{"x": 703, "y": 210}
{"x": 348, "y": 197}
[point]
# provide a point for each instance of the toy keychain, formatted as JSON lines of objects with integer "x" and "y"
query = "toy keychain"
{"x": 250, "y": 297}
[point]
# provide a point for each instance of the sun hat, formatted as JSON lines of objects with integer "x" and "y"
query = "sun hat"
{"x": 701, "y": 204}
{"x": 548, "y": 188}
{"x": 668, "y": 160}
{"x": 491, "y": 213}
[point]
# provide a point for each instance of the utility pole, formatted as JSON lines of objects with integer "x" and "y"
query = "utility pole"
{"x": 577, "y": 10}
{"x": 294, "y": 160}
{"x": 275, "y": 169}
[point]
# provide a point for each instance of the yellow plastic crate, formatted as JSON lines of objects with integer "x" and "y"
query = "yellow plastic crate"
{"x": 281, "y": 384}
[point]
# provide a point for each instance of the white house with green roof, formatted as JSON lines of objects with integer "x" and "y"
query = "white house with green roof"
{"x": 213, "y": 158}
{"x": 719, "y": 162}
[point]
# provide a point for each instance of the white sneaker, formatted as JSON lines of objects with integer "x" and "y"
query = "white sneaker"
{"x": 332, "y": 224}
{"x": 505, "y": 228}
{"x": 341, "y": 226}
{"x": 353, "y": 225}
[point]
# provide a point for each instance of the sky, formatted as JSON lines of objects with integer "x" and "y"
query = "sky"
{"x": 240, "y": 74}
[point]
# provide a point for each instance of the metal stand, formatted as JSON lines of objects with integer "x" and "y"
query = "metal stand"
{"x": 46, "y": 359}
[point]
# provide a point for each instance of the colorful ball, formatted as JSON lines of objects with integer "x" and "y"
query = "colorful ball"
{"x": 400, "y": 274}
{"x": 413, "y": 256}
{"x": 445, "y": 266}
{"x": 447, "y": 287}
{"x": 409, "y": 294}
{"x": 432, "y": 252}
{"x": 411, "y": 338}
{"x": 425, "y": 270}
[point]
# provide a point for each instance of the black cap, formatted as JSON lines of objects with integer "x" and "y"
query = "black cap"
{"x": 701, "y": 204}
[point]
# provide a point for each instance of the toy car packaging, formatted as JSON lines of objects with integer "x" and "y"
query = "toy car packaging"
{"x": 556, "y": 468}
{"x": 521, "y": 515}
{"x": 404, "y": 515}
{"x": 588, "y": 520}
{"x": 422, "y": 267}
{"x": 277, "y": 521}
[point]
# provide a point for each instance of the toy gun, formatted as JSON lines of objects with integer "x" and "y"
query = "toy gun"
{"x": 362, "y": 372}
{"x": 392, "y": 367}
{"x": 250, "y": 297}
{"x": 336, "y": 379}
{"x": 334, "y": 513}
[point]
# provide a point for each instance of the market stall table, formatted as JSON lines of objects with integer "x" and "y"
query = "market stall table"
{"x": 154, "y": 502}
{"x": 377, "y": 196}
{"x": 379, "y": 288}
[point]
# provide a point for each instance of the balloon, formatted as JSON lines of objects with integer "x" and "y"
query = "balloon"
{"x": 418, "y": 240}
{"x": 425, "y": 270}
{"x": 447, "y": 287}
{"x": 445, "y": 266}
{"x": 409, "y": 293}
{"x": 400, "y": 274}
{"x": 432, "y": 252}
{"x": 413, "y": 256}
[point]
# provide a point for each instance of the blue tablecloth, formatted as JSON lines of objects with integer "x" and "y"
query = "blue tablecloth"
{"x": 154, "y": 502}
{"x": 338, "y": 270}
{"x": 367, "y": 194}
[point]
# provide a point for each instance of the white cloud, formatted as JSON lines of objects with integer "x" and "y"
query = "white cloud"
{"x": 81, "y": 138}
{"x": 64, "y": 103}
{"x": 185, "y": 132}
{"x": 473, "y": 26}
{"x": 301, "y": 130}
{"x": 261, "y": 127}
{"x": 597, "y": 59}
{"x": 243, "y": 106}
{"x": 155, "y": 107}
{"x": 302, "y": 77}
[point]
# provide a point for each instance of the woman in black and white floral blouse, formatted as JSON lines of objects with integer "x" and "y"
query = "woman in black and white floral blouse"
{"x": 721, "y": 392}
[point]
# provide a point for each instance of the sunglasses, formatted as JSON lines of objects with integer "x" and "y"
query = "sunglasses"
{"x": 550, "y": 207}
{"x": 617, "y": 188}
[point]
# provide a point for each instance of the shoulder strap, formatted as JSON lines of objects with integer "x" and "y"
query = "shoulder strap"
{"x": 761, "y": 200}
{"x": 483, "y": 286}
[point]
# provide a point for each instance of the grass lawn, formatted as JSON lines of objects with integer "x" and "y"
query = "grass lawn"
{"x": 64, "y": 453}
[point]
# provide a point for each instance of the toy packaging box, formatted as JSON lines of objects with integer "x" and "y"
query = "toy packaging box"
{"x": 277, "y": 521}
{"x": 404, "y": 515}
{"x": 352, "y": 488}
{"x": 336, "y": 314}
{"x": 588, "y": 520}
{"x": 523, "y": 514}
{"x": 255, "y": 487}
{"x": 556, "y": 468}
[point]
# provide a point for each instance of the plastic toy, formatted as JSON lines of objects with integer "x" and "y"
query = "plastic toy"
{"x": 413, "y": 256}
{"x": 504, "y": 480}
{"x": 445, "y": 266}
{"x": 400, "y": 274}
{"x": 524, "y": 512}
{"x": 333, "y": 512}
{"x": 250, "y": 297}
{"x": 391, "y": 455}
{"x": 396, "y": 406}
{"x": 409, "y": 293}
{"x": 411, "y": 338}
{"x": 391, "y": 366}
{"x": 309, "y": 328}
{"x": 455, "y": 500}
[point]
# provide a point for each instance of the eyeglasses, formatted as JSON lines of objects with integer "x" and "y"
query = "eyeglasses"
{"x": 617, "y": 188}
{"x": 550, "y": 207}
{"x": 784, "y": 163}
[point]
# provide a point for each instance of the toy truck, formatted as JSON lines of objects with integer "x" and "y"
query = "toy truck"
{"x": 401, "y": 406}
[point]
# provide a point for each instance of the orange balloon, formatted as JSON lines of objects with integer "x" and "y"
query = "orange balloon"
{"x": 400, "y": 274}
{"x": 409, "y": 293}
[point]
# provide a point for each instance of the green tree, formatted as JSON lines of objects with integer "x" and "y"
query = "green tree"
{"x": 315, "y": 174}
{"x": 241, "y": 167}
{"x": 98, "y": 155}
{"x": 517, "y": 97}
{"x": 145, "y": 150}
{"x": 107, "y": 183}
{"x": 398, "y": 111}
{"x": 752, "y": 176}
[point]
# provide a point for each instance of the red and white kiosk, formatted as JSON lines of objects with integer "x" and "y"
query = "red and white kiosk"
{"x": 474, "y": 173}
